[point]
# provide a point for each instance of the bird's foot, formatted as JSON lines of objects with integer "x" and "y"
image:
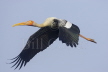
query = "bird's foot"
{"x": 92, "y": 40}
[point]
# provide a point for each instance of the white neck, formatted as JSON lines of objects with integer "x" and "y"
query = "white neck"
{"x": 47, "y": 22}
{"x": 38, "y": 25}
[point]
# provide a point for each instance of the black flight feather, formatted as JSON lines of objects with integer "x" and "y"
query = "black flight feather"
{"x": 39, "y": 41}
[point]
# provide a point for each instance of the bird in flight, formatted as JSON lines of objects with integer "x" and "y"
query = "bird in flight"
{"x": 51, "y": 29}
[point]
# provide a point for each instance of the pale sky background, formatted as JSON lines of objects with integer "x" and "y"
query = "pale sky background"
{"x": 90, "y": 15}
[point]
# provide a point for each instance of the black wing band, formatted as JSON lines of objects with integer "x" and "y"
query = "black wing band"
{"x": 69, "y": 36}
{"x": 36, "y": 43}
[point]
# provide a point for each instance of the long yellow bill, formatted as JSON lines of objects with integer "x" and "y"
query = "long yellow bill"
{"x": 23, "y": 23}
{"x": 18, "y": 24}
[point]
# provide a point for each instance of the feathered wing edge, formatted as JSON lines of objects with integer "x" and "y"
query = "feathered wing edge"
{"x": 70, "y": 36}
{"x": 47, "y": 35}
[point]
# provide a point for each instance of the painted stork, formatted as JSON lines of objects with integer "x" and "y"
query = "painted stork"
{"x": 49, "y": 31}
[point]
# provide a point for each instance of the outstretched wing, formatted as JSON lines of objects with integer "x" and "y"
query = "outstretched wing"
{"x": 36, "y": 43}
{"x": 69, "y": 34}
